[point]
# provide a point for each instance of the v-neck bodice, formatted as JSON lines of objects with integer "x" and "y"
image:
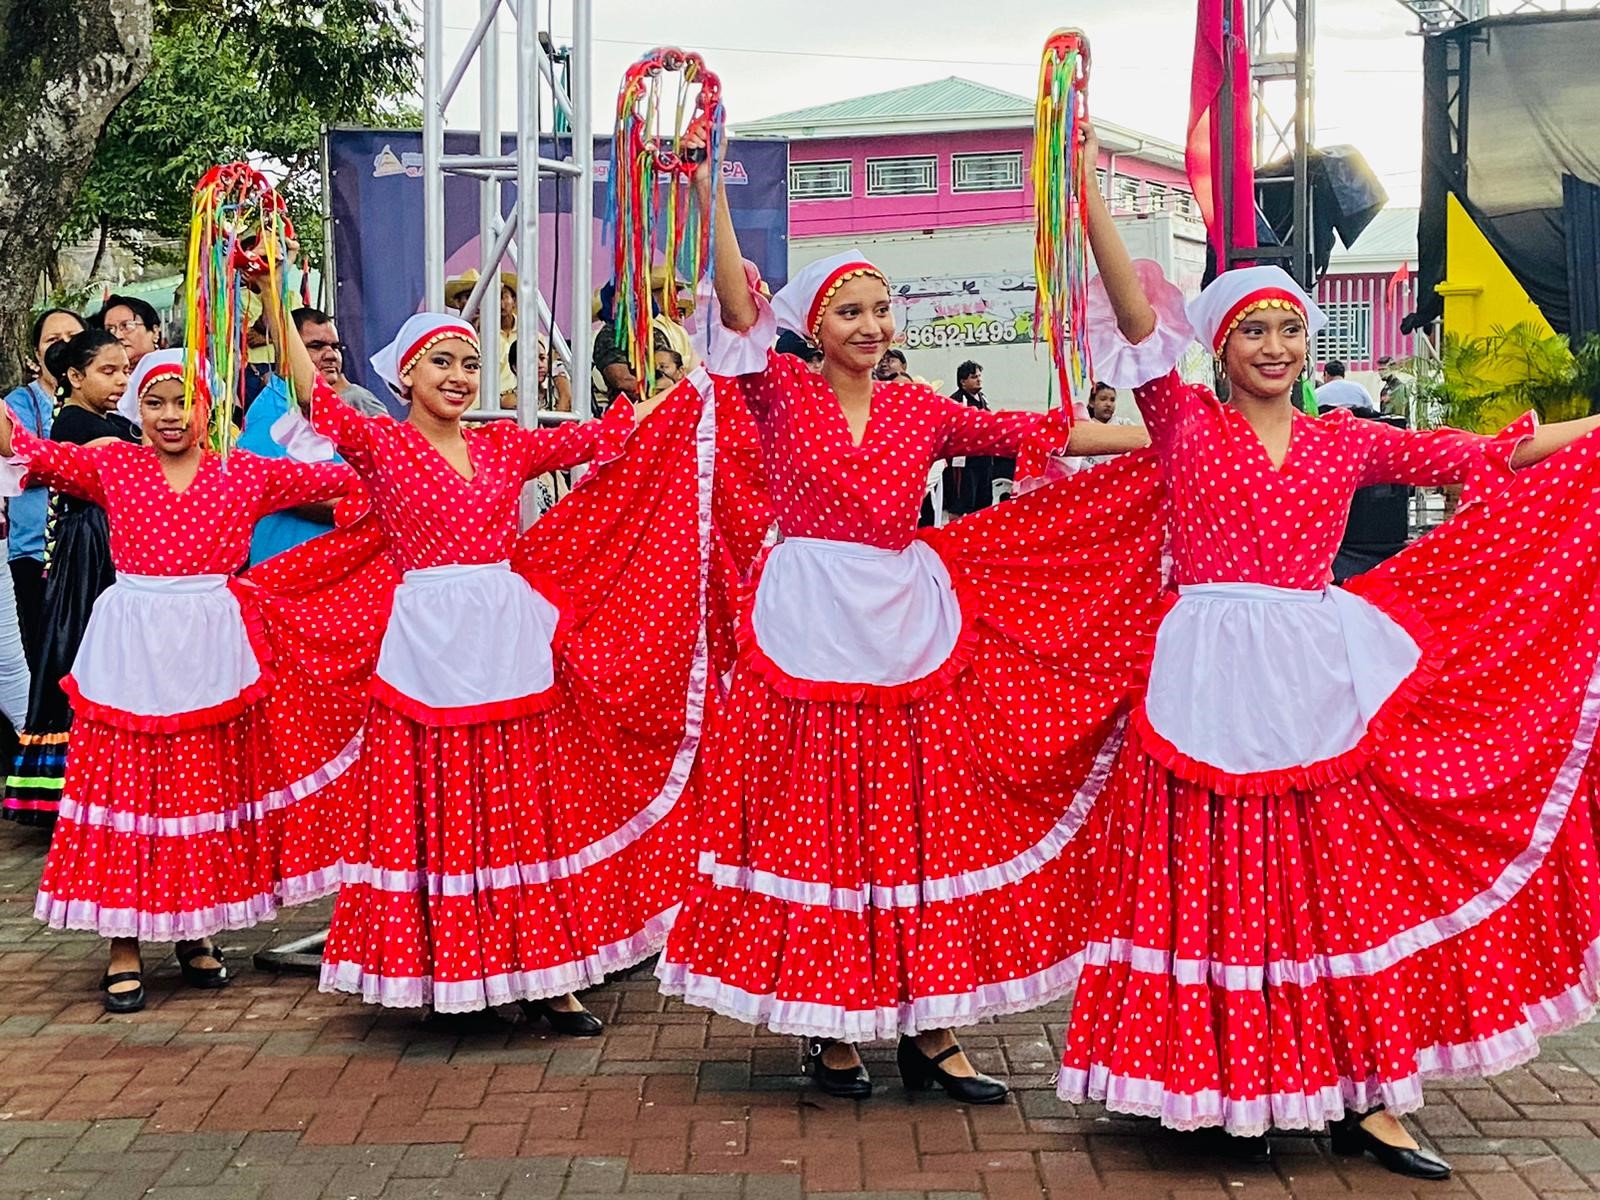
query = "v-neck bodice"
{"x": 825, "y": 485}
{"x": 1238, "y": 519}
{"x": 157, "y": 530}
{"x": 432, "y": 514}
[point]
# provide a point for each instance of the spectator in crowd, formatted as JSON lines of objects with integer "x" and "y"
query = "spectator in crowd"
{"x": 969, "y": 482}
{"x": 893, "y": 368}
{"x": 611, "y": 360}
{"x": 1103, "y": 404}
{"x": 280, "y": 531}
{"x": 554, "y": 387}
{"x": 133, "y": 322}
{"x": 321, "y": 336}
{"x": 790, "y": 342}
{"x": 33, "y": 404}
{"x": 1102, "y": 408}
{"x": 669, "y": 367}
{"x": 1339, "y": 392}
{"x": 458, "y": 291}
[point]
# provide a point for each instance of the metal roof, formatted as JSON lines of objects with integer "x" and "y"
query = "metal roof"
{"x": 948, "y": 97}
{"x": 944, "y": 104}
{"x": 1390, "y": 240}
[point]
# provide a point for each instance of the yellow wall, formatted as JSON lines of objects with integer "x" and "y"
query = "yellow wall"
{"x": 1479, "y": 291}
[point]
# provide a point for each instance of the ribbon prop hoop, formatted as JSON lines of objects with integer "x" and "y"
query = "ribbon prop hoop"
{"x": 647, "y": 202}
{"x": 239, "y": 226}
{"x": 1061, "y": 179}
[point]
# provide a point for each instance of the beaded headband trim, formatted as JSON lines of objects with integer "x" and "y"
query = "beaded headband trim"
{"x": 157, "y": 374}
{"x": 1255, "y": 302}
{"x": 465, "y": 332}
{"x": 833, "y": 283}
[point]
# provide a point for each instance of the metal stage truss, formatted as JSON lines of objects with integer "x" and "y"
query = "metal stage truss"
{"x": 1436, "y": 16}
{"x": 541, "y": 94}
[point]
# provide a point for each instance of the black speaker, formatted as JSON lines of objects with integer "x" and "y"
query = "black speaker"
{"x": 1379, "y": 524}
{"x": 1345, "y": 196}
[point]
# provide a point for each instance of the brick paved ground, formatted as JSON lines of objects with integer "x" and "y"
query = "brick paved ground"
{"x": 270, "y": 1091}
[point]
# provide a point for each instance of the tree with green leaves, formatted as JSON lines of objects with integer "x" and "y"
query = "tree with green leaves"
{"x": 69, "y": 63}
{"x": 244, "y": 79}
{"x": 217, "y": 81}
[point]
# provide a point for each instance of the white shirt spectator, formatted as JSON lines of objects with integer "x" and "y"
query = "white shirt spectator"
{"x": 1342, "y": 393}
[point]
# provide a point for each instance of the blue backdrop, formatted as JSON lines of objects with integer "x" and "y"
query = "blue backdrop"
{"x": 376, "y": 202}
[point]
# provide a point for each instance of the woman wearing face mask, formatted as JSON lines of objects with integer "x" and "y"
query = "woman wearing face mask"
{"x": 915, "y": 728}
{"x": 34, "y": 404}
{"x": 161, "y": 834}
{"x": 519, "y": 834}
{"x": 91, "y": 372}
{"x": 1351, "y": 844}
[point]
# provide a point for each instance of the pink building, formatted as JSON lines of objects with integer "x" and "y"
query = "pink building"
{"x": 942, "y": 155}
{"x": 1369, "y": 289}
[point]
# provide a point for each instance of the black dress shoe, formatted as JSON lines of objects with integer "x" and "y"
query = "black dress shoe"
{"x": 919, "y": 1072}
{"x": 1350, "y": 1138}
{"x": 848, "y": 1083}
{"x": 581, "y": 1023}
{"x": 128, "y": 1001}
{"x": 202, "y": 977}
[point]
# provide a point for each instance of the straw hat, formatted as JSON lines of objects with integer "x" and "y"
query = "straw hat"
{"x": 458, "y": 289}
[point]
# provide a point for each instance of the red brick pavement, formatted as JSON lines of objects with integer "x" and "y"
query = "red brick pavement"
{"x": 271, "y": 1091}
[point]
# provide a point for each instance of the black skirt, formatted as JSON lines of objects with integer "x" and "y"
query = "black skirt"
{"x": 79, "y": 570}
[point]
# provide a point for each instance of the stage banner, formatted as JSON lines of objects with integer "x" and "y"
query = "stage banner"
{"x": 375, "y": 186}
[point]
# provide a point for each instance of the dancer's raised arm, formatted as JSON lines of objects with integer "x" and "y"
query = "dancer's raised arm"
{"x": 739, "y": 311}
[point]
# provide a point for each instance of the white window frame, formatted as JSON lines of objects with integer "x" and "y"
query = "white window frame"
{"x": 1348, "y": 336}
{"x": 927, "y": 163}
{"x": 1010, "y": 160}
{"x": 836, "y": 164}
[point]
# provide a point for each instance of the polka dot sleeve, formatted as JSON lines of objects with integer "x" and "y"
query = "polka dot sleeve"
{"x": 1162, "y": 403}
{"x": 63, "y": 466}
{"x": 535, "y": 451}
{"x": 1426, "y": 458}
{"x": 350, "y": 431}
{"x": 290, "y": 483}
{"x": 971, "y": 430}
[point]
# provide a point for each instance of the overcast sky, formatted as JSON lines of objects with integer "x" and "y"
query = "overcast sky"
{"x": 774, "y": 57}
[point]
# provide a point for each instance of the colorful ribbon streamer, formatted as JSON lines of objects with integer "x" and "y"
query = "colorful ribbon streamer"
{"x": 238, "y": 224}
{"x": 1061, "y": 179}
{"x": 648, "y": 207}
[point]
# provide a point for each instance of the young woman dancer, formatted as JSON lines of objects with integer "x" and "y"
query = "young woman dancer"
{"x": 1350, "y": 844}
{"x": 918, "y": 724}
{"x": 161, "y": 834}
{"x": 519, "y": 833}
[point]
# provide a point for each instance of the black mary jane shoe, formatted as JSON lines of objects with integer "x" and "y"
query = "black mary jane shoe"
{"x": 581, "y": 1023}
{"x": 208, "y": 978}
{"x": 1352, "y": 1140}
{"x": 130, "y": 1001}
{"x": 919, "y": 1073}
{"x": 475, "y": 1022}
{"x": 847, "y": 1083}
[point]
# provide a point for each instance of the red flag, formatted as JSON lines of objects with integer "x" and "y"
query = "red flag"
{"x": 1398, "y": 280}
{"x": 1219, "y": 35}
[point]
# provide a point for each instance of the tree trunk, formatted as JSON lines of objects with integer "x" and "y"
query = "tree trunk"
{"x": 100, "y": 246}
{"x": 77, "y": 59}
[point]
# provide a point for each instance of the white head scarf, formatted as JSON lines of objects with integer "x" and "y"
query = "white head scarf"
{"x": 158, "y": 364}
{"x": 1226, "y": 300}
{"x": 420, "y": 332}
{"x": 800, "y": 303}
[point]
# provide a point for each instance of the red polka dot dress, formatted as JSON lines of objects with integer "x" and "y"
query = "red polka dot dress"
{"x": 918, "y": 723}
{"x": 522, "y": 822}
{"x": 1349, "y": 844}
{"x": 170, "y": 824}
